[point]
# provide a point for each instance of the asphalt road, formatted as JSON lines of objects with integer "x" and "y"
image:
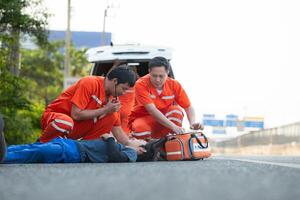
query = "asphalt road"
{"x": 217, "y": 178}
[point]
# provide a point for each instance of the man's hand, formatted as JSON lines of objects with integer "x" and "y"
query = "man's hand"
{"x": 105, "y": 136}
{"x": 133, "y": 142}
{"x": 197, "y": 126}
{"x": 113, "y": 106}
{"x": 140, "y": 150}
{"x": 136, "y": 144}
{"x": 178, "y": 130}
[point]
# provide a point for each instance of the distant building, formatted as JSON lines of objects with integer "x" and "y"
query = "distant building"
{"x": 230, "y": 126}
{"x": 80, "y": 39}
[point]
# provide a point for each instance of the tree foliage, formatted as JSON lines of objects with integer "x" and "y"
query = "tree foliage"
{"x": 30, "y": 78}
{"x": 19, "y": 17}
{"x": 24, "y": 16}
{"x": 44, "y": 67}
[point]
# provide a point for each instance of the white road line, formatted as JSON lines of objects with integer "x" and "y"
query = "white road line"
{"x": 296, "y": 166}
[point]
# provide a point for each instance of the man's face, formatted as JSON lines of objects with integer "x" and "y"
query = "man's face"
{"x": 121, "y": 88}
{"x": 158, "y": 76}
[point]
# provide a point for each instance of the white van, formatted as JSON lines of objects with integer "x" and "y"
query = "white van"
{"x": 137, "y": 56}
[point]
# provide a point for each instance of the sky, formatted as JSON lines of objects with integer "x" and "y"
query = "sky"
{"x": 231, "y": 56}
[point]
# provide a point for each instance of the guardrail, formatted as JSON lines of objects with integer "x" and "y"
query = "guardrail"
{"x": 286, "y": 134}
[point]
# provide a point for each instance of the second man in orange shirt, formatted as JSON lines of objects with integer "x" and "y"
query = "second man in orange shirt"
{"x": 158, "y": 99}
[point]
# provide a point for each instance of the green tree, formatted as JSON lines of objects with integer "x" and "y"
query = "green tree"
{"x": 27, "y": 85}
{"x": 18, "y": 17}
{"x": 14, "y": 105}
{"x": 43, "y": 66}
{"x": 79, "y": 65}
{"x": 21, "y": 17}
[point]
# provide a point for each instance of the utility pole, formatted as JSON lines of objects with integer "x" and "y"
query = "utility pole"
{"x": 110, "y": 5}
{"x": 103, "y": 30}
{"x": 67, "y": 44}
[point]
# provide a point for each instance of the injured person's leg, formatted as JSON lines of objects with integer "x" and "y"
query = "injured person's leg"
{"x": 56, "y": 151}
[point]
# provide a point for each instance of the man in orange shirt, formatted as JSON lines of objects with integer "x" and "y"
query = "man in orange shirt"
{"x": 157, "y": 99}
{"x": 86, "y": 110}
{"x": 126, "y": 100}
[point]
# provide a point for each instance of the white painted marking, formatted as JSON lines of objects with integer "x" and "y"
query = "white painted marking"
{"x": 291, "y": 165}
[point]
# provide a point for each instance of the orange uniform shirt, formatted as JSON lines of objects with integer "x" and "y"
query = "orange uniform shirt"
{"x": 146, "y": 93}
{"x": 127, "y": 102}
{"x": 87, "y": 93}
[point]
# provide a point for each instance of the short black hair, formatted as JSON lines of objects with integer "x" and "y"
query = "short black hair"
{"x": 123, "y": 75}
{"x": 158, "y": 62}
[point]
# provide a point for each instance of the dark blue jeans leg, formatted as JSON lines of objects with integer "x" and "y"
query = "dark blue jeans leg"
{"x": 38, "y": 153}
{"x": 22, "y": 146}
{"x": 58, "y": 150}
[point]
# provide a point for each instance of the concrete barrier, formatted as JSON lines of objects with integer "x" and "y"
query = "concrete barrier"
{"x": 276, "y": 140}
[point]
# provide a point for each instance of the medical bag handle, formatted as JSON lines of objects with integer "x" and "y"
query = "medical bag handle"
{"x": 199, "y": 142}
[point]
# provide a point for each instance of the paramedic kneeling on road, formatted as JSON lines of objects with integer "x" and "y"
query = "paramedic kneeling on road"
{"x": 157, "y": 99}
{"x": 86, "y": 110}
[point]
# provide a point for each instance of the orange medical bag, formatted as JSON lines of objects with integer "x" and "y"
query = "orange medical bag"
{"x": 189, "y": 146}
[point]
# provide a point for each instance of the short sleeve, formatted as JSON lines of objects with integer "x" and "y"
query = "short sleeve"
{"x": 142, "y": 94}
{"x": 83, "y": 93}
{"x": 180, "y": 96}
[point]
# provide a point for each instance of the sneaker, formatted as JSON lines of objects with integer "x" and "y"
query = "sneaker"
{"x": 2, "y": 140}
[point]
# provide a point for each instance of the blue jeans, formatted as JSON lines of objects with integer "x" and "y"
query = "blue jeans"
{"x": 58, "y": 150}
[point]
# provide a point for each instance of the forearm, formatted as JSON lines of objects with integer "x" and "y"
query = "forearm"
{"x": 120, "y": 135}
{"x": 88, "y": 114}
{"x": 160, "y": 118}
{"x": 190, "y": 112}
